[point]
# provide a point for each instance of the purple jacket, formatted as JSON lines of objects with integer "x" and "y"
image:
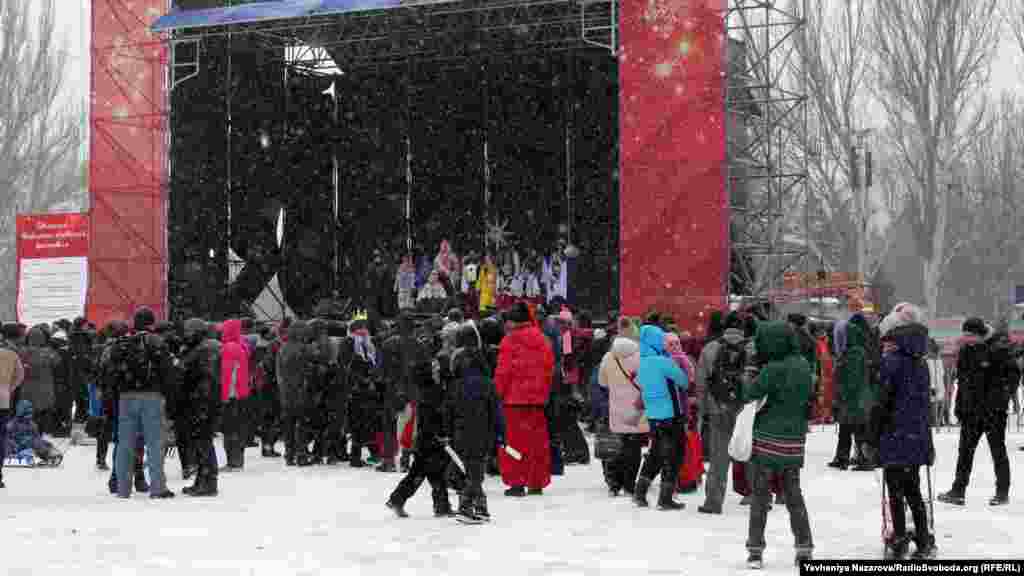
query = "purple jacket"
{"x": 902, "y": 420}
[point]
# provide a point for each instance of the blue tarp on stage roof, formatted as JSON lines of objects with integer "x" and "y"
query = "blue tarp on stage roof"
{"x": 267, "y": 10}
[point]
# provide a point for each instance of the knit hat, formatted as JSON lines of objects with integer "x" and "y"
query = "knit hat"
{"x": 518, "y": 313}
{"x": 903, "y": 314}
{"x": 975, "y": 326}
{"x": 144, "y": 318}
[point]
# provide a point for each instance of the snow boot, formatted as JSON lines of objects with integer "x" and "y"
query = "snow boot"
{"x": 954, "y": 497}
{"x": 802, "y": 556}
{"x": 140, "y": 482}
{"x": 1002, "y": 498}
{"x": 480, "y": 507}
{"x": 839, "y": 464}
{"x": 755, "y": 560}
{"x": 535, "y": 492}
{"x": 665, "y": 498}
{"x": 640, "y": 492}
{"x": 705, "y": 509}
{"x": 896, "y": 547}
{"x": 397, "y": 508}
{"x": 613, "y": 492}
{"x": 189, "y": 472}
{"x": 204, "y": 487}
{"x": 516, "y": 492}
{"x": 165, "y": 495}
{"x": 467, "y": 512}
{"x": 926, "y": 547}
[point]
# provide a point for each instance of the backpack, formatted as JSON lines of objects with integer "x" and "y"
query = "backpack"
{"x": 134, "y": 363}
{"x": 727, "y": 374}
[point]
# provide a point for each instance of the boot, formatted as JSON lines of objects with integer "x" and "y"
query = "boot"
{"x": 535, "y": 492}
{"x": 925, "y": 544}
{"x": 467, "y": 512}
{"x": 140, "y": 481}
{"x": 355, "y": 457}
{"x": 755, "y": 560}
{"x": 640, "y": 492}
{"x": 204, "y": 486}
{"x": 269, "y": 452}
{"x": 516, "y": 492}
{"x": 442, "y": 507}
{"x": 839, "y": 464}
{"x": 480, "y": 507}
{"x": 398, "y": 508}
{"x": 112, "y": 483}
{"x": 665, "y": 500}
{"x": 1001, "y": 498}
{"x": 896, "y": 547}
{"x": 955, "y": 497}
{"x": 803, "y": 556}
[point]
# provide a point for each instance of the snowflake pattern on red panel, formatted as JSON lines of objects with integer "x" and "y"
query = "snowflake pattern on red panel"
{"x": 674, "y": 216}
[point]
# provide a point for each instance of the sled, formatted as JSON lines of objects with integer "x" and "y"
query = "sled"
{"x": 28, "y": 459}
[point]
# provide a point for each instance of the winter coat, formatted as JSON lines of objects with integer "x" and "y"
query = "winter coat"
{"x": 551, "y": 330}
{"x": 855, "y": 396}
{"x": 291, "y": 368}
{"x": 784, "y": 382}
{"x": 477, "y": 422}
{"x": 901, "y": 418}
{"x": 200, "y": 370}
{"x": 525, "y": 366}
{"x": 12, "y": 374}
{"x": 234, "y": 362}
{"x": 987, "y": 375}
{"x": 433, "y": 419}
{"x": 22, "y": 433}
{"x": 662, "y": 381}
{"x": 487, "y": 286}
{"x": 39, "y": 386}
{"x": 706, "y": 367}
{"x": 623, "y": 396}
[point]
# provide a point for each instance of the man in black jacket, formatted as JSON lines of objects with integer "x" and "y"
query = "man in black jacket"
{"x": 142, "y": 365}
{"x": 200, "y": 390}
{"x": 987, "y": 375}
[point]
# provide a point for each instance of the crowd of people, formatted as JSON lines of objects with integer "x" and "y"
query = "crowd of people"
{"x": 449, "y": 398}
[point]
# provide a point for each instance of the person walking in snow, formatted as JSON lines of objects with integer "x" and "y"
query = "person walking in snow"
{"x": 617, "y": 374}
{"x": 779, "y": 436}
{"x": 200, "y": 363}
{"x": 663, "y": 385}
{"x": 987, "y": 374}
{"x": 430, "y": 459}
{"x": 900, "y": 429}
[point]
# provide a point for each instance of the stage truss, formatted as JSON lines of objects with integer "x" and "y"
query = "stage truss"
{"x": 455, "y": 31}
{"x": 767, "y": 144}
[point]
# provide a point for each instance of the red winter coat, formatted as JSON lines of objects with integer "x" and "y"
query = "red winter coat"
{"x": 233, "y": 354}
{"x": 525, "y": 365}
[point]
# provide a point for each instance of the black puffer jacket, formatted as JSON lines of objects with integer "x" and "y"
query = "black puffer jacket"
{"x": 476, "y": 415}
{"x": 200, "y": 386}
{"x": 291, "y": 368}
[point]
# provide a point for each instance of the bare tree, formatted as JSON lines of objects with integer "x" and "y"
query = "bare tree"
{"x": 1014, "y": 12}
{"x": 833, "y": 67}
{"x": 38, "y": 135}
{"x": 932, "y": 61}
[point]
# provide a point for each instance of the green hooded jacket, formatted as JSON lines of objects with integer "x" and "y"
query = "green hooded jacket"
{"x": 854, "y": 395}
{"x": 780, "y": 429}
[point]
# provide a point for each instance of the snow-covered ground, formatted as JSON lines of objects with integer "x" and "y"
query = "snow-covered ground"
{"x": 287, "y": 521}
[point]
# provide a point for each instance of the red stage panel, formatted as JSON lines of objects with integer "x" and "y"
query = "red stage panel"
{"x": 673, "y": 203}
{"x": 128, "y": 252}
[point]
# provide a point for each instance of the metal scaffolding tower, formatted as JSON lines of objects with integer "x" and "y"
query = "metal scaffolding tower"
{"x": 766, "y": 145}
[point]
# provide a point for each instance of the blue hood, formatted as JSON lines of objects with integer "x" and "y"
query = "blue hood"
{"x": 23, "y": 409}
{"x": 652, "y": 341}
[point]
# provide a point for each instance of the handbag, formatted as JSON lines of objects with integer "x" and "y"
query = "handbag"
{"x": 742, "y": 442}
{"x": 633, "y": 418}
{"x": 607, "y": 444}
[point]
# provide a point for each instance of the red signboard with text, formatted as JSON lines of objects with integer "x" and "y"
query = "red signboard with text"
{"x": 674, "y": 216}
{"x": 53, "y": 267}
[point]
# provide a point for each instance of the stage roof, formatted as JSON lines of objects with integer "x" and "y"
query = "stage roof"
{"x": 268, "y": 10}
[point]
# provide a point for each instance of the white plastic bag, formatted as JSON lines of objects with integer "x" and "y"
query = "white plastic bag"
{"x": 742, "y": 442}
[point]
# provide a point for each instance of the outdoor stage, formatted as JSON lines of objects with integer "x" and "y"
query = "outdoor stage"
{"x": 444, "y": 117}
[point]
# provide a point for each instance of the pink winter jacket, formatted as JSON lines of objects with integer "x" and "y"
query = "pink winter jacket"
{"x": 233, "y": 356}
{"x": 623, "y": 396}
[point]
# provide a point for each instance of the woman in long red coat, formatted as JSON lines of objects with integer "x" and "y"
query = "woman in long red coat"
{"x": 523, "y": 381}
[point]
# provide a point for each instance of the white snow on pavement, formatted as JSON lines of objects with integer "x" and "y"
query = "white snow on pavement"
{"x": 282, "y": 521}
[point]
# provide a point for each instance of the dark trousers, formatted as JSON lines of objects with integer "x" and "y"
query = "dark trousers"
{"x": 204, "y": 453}
{"x": 235, "y": 433}
{"x": 993, "y": 427}
{"x": 4, "y": 414}
{"x": 665, "y": 455}
{"x": 762, "y": 499}
{"x": 429, "y": 465}
{"x": 389, "y": 426}
{"x": 269, "y": 417}
{"x": 184, "y": 441}
{"x": 293, "y": 432}
{"x": 81, "y": 402}
{"x": 103, "y": 437}
{"x": 847, "y": 434}
{"x": 904, "y": 486}
{"x": 620, "y": 472}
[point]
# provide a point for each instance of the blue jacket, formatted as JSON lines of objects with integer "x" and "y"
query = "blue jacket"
{"x": 662, "y": 381}
{"x": 902, "y": 415}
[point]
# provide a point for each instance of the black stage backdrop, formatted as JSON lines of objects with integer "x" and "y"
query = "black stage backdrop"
{"x": 548, "y": 122}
